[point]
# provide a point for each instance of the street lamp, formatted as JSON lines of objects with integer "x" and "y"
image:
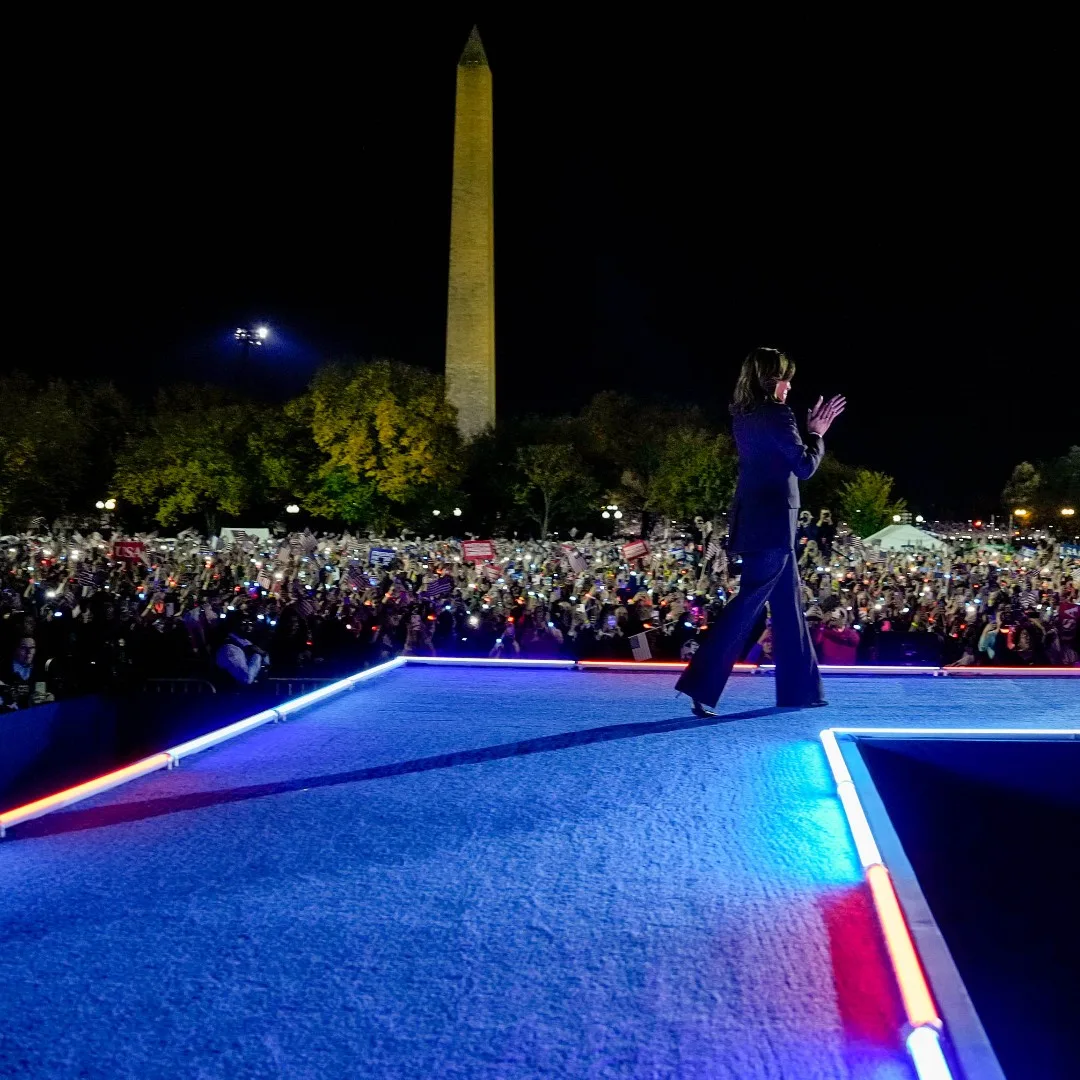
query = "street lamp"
{"x": 896, "y": 518}
{"x": 1067, "y": 511}
{"x": 292, "y": 508}
{"x": 919, "y": 518}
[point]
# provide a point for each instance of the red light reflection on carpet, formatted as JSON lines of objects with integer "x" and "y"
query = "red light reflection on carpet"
{"x": 866, "y": 993}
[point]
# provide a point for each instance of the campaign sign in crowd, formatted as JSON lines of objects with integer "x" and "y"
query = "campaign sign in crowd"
{"x": 82, "y": 612}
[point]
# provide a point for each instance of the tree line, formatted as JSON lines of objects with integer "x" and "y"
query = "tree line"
{"x": 1044, "y": 488}
{"x": 374, "y": 445}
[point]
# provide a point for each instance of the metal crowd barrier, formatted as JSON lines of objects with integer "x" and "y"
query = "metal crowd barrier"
{"x": 178, "y": 686}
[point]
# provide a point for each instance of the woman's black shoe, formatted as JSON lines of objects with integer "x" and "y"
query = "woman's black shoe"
{"x": 702, "y": 712}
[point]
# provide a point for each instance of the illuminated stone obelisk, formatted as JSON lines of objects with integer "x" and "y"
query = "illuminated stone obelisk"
{"x": 470, "y": 317}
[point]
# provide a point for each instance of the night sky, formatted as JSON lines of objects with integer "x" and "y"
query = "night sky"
{"x": 889, "y": 201}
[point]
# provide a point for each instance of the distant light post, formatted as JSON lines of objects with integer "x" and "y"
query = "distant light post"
{"x": 1016, "y": 513}
{"x": 249, "y": 336}
{"x": 1067, "y": 511}
{"x": 919, "y": 518}
{"x": 292, "y": 508}
{"x": 896, "y": 518}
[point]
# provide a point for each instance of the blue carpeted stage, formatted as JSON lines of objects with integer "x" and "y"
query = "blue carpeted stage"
{"x": 477, "y": 872}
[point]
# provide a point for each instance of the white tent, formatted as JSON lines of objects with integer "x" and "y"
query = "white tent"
{"x": 905, "y": 538}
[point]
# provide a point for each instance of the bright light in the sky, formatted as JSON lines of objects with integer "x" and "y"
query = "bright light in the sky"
{"x": 262, "y": 332}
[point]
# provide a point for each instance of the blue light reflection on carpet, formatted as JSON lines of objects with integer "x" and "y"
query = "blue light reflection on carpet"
{"x": 463, "y": 873}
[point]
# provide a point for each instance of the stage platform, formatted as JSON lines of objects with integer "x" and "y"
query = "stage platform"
{"x": 478, "y": 872}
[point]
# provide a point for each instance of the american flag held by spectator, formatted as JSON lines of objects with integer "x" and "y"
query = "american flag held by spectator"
{"x": 439, "y": 587}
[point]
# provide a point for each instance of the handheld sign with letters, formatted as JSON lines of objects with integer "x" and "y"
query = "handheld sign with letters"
{"x": 129, "y": 549}
{"x": 636, "y": 549}
{"x": 477, "y": 550}
{"x": 381, "y": 556}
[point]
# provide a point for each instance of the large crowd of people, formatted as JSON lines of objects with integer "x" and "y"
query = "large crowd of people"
{"x": 85, "y": 613}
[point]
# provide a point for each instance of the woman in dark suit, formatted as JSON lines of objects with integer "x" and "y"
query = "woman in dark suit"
{"x": 764, "y": 513}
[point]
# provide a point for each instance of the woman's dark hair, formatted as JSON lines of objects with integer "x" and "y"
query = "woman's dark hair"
{"x": 760, "y": 373}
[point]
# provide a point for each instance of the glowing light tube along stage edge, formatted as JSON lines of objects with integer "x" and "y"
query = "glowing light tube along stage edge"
{"x": 75, "y": 794}
{"x": 924, "y": 1046}
{"x": 486, "y": 661}
{"x": 166, "y": 759}
{"x": 919, "y": 1007}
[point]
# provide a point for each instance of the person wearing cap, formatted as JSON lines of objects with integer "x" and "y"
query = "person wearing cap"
{"x": 763, "y": 518}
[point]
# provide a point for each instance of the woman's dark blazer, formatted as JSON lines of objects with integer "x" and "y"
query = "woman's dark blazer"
{"x": 772, "y": 460}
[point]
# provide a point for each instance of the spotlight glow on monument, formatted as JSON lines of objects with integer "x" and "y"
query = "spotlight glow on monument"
{"x": 470, "y": 316}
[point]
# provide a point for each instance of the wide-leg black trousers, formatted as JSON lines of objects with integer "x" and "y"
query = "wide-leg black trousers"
{"x": 771, "y": 574}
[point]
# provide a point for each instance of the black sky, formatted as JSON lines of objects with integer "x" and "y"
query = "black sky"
{"x": 892, "y": 201}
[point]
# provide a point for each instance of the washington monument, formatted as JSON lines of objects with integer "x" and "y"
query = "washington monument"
{"x": 470, "y": 317}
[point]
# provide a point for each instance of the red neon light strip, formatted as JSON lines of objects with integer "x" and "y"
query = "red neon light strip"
{"x": 918, "y": 1001}
{"x": 84, "y": 790}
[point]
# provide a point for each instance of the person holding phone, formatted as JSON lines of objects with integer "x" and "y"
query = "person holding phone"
{"x": 763, "y": 518}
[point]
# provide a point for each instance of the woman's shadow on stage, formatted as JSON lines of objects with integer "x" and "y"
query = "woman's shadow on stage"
{"x": 97, "y": 817}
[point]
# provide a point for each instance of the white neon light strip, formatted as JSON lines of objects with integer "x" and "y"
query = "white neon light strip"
{"x": 165, "y": 759}
{"x": 924, "y": 1046}
{"x": 294, "y": 705}
{"x": 1012, "y": 673}
{"x": 212, "y": 738}
{"x": 287, "y": 708}
{"x": 486, "y": 661}
{"x": 868, "y": 669}
{"x": 861, "y": 833}
{"x": 984, "y": 731}
{"x": 835, "y": 757}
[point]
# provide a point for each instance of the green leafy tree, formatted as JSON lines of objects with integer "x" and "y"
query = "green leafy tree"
{"x": 1025, "y": 488}
{"x": 695, "y": 474}
{"x": 553, "y": 482}
{"x": 625, "y": 441}
{"x": 867, "y": 504}
{"x": 57, "y": 445}
{"x": 193, "y": 457}
{"x": 284, "y": 455}
{"x": 822, "y": 490}
{"x": 1062, "y": 488}
{"x": 340, "y": 496}
{"x": 386, "y": 435}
